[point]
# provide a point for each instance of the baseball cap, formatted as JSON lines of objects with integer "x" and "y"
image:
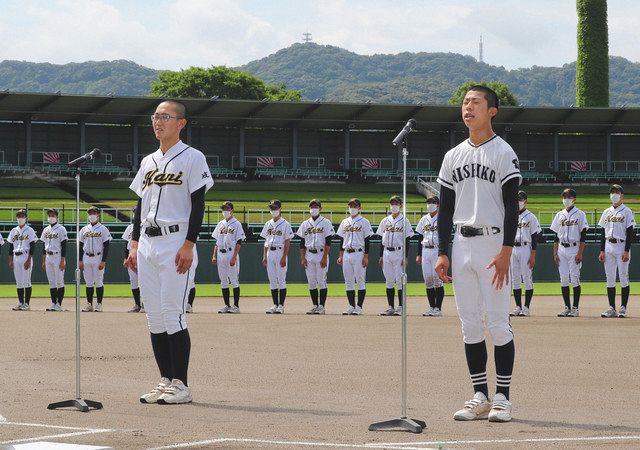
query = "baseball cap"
{"x": 568, "y": 192}
{"x": 354, "y": 201}
{"x": 433, "y": 199}
{"x": 21, "y": 212}
{"x": 94, "y": 209}
{"x": 395, "y": 198}
{"x": 522, "y": 195}
{"x": 315, "y": 201}
{"x": 616, "y": 188}
{"x": 52, "y": 211}
{"x": 275, "y": 204}
{"x": 227, "y": 205}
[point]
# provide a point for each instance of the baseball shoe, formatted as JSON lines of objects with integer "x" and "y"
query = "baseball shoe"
{"x": 388, "y": 312}
{"x": 516, "y": 312}
{"x": 475, "y": 409}
{"x": 565, "y": 312}
{"x": 175, "y": 393}
{"x": 234, "y": 309}
{"x": 25, "y": 307}
{"x": 622, "y": 312}
{"x": 437, "y": 312}
{"x": 500, "y": 409}
{"x": 574, "y": 312}
{"x": 350, "y": 310}
{"x": 398, "y": 311}
{"x": 357, "y": 311}
{"x": 313, "y": 310}
{"x": 57, "y": 307}
{"x": 18, "y": 307}
{"x": 272, "y": 310}
{"x": 135, "y": 309}
{"x": 88, "y": 307}
{"x": 611, "y": 312}
{"x": 51, "y": 308}
{"x": 320, "y": 310}
{"x": 189, "y": 308}
{"x": 524, "y": 312}
{"x": 279, "y": 309}
{"x": 142, "y": 308}
{"x": 98, "y": 307}
{"x": 428, "y": 312}
{"x": 225, "y": 309}
{"x": 156, "y": 392}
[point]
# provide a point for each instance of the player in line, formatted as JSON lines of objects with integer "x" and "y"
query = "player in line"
{"x": 94, "y": 250}
{"x": 427, "y": 256}
{"x": 22, "y": 241}
{"x": 617, "y": 224}
{"x": 54, "y": 237}
{"x": 226, "y": 256}
{"x": 277, "y": 234}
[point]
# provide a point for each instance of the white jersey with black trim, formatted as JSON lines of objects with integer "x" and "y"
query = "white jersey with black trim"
{"x": 568, "y": 225}
{"x": 228, "y": 233}
{"x": 1, "y": 240}
{"x": 52, "y": 236}
{"x": 354, "y": 231}
{"x": 21, "y": 238}
{"x": 428, "y": 228}
{"x": 128, "y": 235}
{"x": 476, "y": 174}
{"x": 92, "y": 237}
{"x": 615, "y": 221}
{"x": 165, "y": 182}
{"x": 528, "y": 225}
{"x": 275, "y": 233}
{"x": 314, "y": 232}
{"x": 394, "y": 231}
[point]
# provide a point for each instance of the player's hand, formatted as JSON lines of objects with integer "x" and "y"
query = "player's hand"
{"x": 380, "y": 262}
{"x": 44, "y": 265}
{"x": 233, "y": 260}
{"x": 124, "y": 262}
{"x": 264, "y": 261}
{"x": 532, "y": 261}
{"x": 132, "y": 259}
{"x": 556, "y": 259}
{"x": 419, "y": 260}
{"x": 339, "y": 260}
{"x": 283, "y": 262}
{"x": 323, "y": 262}
{"x": 184, "y": 257}
{"x": 81, "y": 265}
{"x": 442, "y": 268}
{"x": 601, "y": 257}
{"x": 11, "y": 264}
{"x": 365, "y": 261}
{"x": 626, "y": 257}
{"x": 501, "y": 263}
{"x": 27, "y": 264}
{"x": 214, "y": 260}
{"x": 63, "y": 263}
{"x": 303, "y": 262}
{"x": 578, "y": 258}
{"x": 102, "y": 265}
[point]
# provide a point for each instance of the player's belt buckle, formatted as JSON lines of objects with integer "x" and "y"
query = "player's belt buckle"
{"x": 429, "y": 246}
{"x": 393, "y": 249}
{"x": 520, "y": 244}
{"x": 51, "y": 253}
{"x": 159, "y": 231}
{"x": 615, "y": 241}
{"x": 468, "y": 231}
{"x": 353, "y": 250}
{"x": 93, "y": 254}
{"x": 569, "y": 244}
{"x": 273, "y": 249}
{"x": 222, "y": 250}
{"x": 315, "y": 250}
{"x": 18, "y": 253}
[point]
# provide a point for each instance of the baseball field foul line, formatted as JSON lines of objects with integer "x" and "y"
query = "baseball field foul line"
{"x": 287, "y": 443}
{"x": 511, "y": 441}
{"x": 75, "y": 431}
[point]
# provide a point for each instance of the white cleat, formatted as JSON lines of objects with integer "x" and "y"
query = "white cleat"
{"x": 313, "y": 310}
{"x": 398, "y": 311}
{"x": 475, "y": 409}
{"x": 574, "y": 312}
{"x": 25, "y": 307}
{"x": 88, "y": 307}
{"x": 98, "y": 307}
{"x": 280, "y": 309}
{"x": 516, "y": 312}
{"x": 135, "y": 309}
{"x": 234, "y": 309}
{"x": 565, "y": 312}
{"x": 272, "y": 310}
{"x": 18, "y": 307}
{"x": 524, "y": 312}
{"x": 428, "y": 312}
{"x": 189, "y": 308}
{"x": 611, "y": 312}
{"x": 156, "y": 392}
{"x": 320, "y": 310}
{"x": 175, "y": 394}
{"x": 350, "y": 310}
{"x": 357, "y": 312}
{"x": 500, "y": 409}
{"x": 57, "y": 307}
{"x": 622, "y": 312}
{"x": 224, "y": 310}
{"x": 388, "y": 312}
{"x": 51, "y": 308}
{"x": 142, "y": 308}
{"x": 437, "y": 312}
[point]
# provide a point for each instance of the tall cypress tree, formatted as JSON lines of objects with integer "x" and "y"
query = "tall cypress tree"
{"x": 592, "y": 67}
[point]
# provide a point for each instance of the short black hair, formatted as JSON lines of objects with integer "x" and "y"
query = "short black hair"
{"x": 181, "y": 109}
{"x": 489, "y": 94}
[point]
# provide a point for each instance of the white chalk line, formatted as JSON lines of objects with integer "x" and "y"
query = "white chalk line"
{"x": 2, "y": 418}
{"x": 74, "y": 431}
{"x": 44, "y": 425}
{"x": 277, "y": 442}
{"x": 516, "y": 441}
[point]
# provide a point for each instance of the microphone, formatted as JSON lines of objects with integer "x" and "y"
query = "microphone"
{"x": 406, "y": 130}
{"x": 93, "y": 154}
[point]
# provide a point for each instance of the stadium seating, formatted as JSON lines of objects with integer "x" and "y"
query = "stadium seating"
{"x": 6, "y": 168}
{"x": 223, "y": 172}
{"x": 600, "y": 176}
{"x": 533, "y": 176}
{"x": 313, "y": 172}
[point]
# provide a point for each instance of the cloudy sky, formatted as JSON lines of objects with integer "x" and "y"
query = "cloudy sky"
{"x": 181, "y": 33}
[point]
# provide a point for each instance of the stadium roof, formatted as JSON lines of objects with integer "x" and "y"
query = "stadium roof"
{"x": 310, "y": 115}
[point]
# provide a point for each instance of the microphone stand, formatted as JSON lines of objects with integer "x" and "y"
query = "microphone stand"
{"x": 413, "y": 425}
{"x": 78, "y": 402}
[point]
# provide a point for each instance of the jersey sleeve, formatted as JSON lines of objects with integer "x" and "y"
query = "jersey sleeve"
{"x": 584, "y": 225}
{"x": 137, "y": 184}
{"x": 380, "y": 230}
{"x": 444, "y": 177}
{"x": 340, "y": 231}
{"x": 509, "y": 167}
{"x": 288, "y": 232}
{"x": 329, "y": 231}
{"x": 107, "y": 235}
{"x": 536, "y": 225}
{"x": 602, "y": 218}
{"x": 555, "y": 223}
{"x": 301, "y": 229}
{"x": 420, "y": 226}
{"x": 81, "y": 237}
{"x": 408, "y": 229}
{"x": 630, "y": 219}
{"x": 367, "y": 229}
{"x": 263, "y": 233}
{"x": 12, "y": 237}
{"x": 42, "y": 235}
{"x": 240, "y": 236}
{"x": 199, "y": 173}
{"x": 216, "y": 232}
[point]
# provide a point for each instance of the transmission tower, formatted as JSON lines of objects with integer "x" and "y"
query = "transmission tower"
{"x": 307, "y": 37}
{"x": 480, "y": 57}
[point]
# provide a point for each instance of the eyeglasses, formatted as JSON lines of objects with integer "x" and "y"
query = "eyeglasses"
{"x": 163, "y": 117}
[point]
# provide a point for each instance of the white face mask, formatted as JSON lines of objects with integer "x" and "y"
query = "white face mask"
{"x": 314, "y": 212}
{"x": 52, "y": 220}
{"x": 432, "y": 207}
{"x": 21, "y": 220}
{"x": 567, "y": 202}
{"x": 93, "y": 218}
{"x": 354, "y": 211}
{"x": 615, "y": 198}
{"x": 275, "y": 212}
{"x": 226, "y": 214}
{"x": 395, "y": 209}
{"x": 521, "y": 205}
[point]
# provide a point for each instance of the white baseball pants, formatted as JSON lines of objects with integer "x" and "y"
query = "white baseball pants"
{"x": 353, "y": 271}
{"x": 316, "y": 275}
{"x": 229, "y": 275}
{"x": 568, "y": 268}
{"x": 54, "y": 274}
{"x": 392, "y": 268}
{"x": 22, "y": 275}
{"x": 133, "y": 279}
{"x": 277, "y": 275}
{"x": 613, "y": 261}
{"x": 520, "y": 271}
{"x": 93, "y": 276}
{"x": 429, "y": 258}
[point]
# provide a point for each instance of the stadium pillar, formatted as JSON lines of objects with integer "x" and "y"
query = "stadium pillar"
{"x": 294, "y": 147}
{"x": 135, "y": 131}
{"x": 27, "y": 142}
{"x": 241, "y": 147}
{"x": 347, "y": 149}
{"x": 83, "y": 136}
{"x": 609, "y": 158}
{"x": 556, "y": 152}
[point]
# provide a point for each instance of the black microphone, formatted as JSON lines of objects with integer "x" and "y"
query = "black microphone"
{"x": 406, "y": 130}
{"x": 93, "y": 154}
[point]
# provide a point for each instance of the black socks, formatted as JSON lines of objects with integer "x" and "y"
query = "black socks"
{"x": 439, "y": 297}
{"x": 314, "y": 296}
{"x": 136, "y": 295}
{"x": 236, "y": 296}
{"x": 283, "y": 296}
{"x": 351, "y": 298}
{"x": 27, "y": 294}
{"x": 517, "y": 296}
{"x": 180, "y": 346}
{"x": 162, "y": 353}
{"x": 323, "y": 296}
{"x": 400, "y": 297}
{"x": 431, "y": 297}
{"x": 390, "y": 299}
{"x": 20, "y": 294}
{"x": 528, "y": 295}
{"x": 89, "y": 292}
{"x": 61, "y": 295}
{"x": 611, "y": 295}
{"x": 226, "y": 295}
{"x": 504, "y": 356}
{"x": 576, "y": 296}
{"x": 54, "y": 295}
{"x": 100, "y": 293}
{"x": 625, "y": 295}
{"x": 362, "y": 293}
{"x": 566, "y": 296}
{"x": 192, "y": 295}
{"x": 274, "y": 296}
{"x": 477, "y": 362}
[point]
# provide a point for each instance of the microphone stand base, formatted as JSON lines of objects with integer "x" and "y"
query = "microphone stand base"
{"x": 78, "y": 403}
{"x": 413, "y": 425}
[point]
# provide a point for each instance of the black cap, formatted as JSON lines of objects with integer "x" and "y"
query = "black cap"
{"x": 52, "y": 211}
{"x": 522, "y": 195}
{"x": 433, "y": 199}
{"x": 315, "y": 201}
{"x": 227, "y": 205}
{"x": 275, "y": 204}
{"x": 616, "y": 188}
{"x": 568, "y": 192}
{"x": 395, "y": 198}
{"x": 354, "y": 201}
{"x": 21, "y": 212}
{"x": 93, "y": 209}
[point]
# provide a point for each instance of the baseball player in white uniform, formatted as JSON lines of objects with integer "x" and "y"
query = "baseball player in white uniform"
{"x": 277, "y": 234}
{"x": 396, "y": 232}
{"x": 133, "y": 275}
{"x": 479, "y": 181}
{"x": 226, "y": 256}
{"x": 428, "y": 254}
{"x": 617, "y": 224}
{"x": 170, "y": 184}
{"x": 315, "y": 245}
{"x": 22, "y": 241}
{"x": 570, "y": 225}
{"x": 523, "y": 258}
{"x": 94, "y": 249}
{"x": 54, "y": 237}
{"x": 355, "y": 234}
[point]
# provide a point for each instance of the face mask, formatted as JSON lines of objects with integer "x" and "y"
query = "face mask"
{"x": 354, "y": 211}
{"x": 615, "y": 198}
{"x": 567, "y": 202}
{"x": 432, "y": 207}
{"x": 395, "y": 209}
{"x": 275, "y": 212}
{"x": 93, "y": 218}
{"x": 226, "y": 214}
{"x": 521, "y": 205}
{"x": 314, "y": 212}
{"x": 52, "y": 220}
{"x": 21, "y": 220}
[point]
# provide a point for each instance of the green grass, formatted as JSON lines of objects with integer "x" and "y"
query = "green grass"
{"x": 296, "y": 290}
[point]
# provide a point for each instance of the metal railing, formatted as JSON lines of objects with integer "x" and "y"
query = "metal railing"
{"x": 356, "y": 163}
{"x": 527, "y": 164}
{"x": 565, "y": 166}
{"x": 65, "y": 157}
{"x": 310, "y": 162}
{"x": 418, "y": 163}
{"x": 252, "y": 161}
{"x": 625, "y": 166}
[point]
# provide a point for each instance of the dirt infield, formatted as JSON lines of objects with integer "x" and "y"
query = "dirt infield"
{"x": 297, "y": 381}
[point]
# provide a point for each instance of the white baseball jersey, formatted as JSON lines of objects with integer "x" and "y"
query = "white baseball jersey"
{"x": 275, "y": 233}
{"x": 314, "y": 232}
{"x": 53, "y": 236}
{"x": 528, "y": 225}
{"x": 127, "y": 235}
{"x": 1, "y": 240}
{"x": 21, "y": 238}
{"x": 394, "y": 231}
{"x": 568, "y": 225}
{"x": 93, "y": 237}
{"x": 615, "y": 222}
{"x": 354, "y": 231}
{"x": 476, "y": 174}
{"x": 228, "y": 233}
{"x": 428, "y": 228}
{"x": 165, "y": 183}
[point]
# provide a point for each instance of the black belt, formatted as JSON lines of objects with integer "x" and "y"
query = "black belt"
{"x": 158, "y": 231}
{"x": 273, "y": 249}
{"x": 615, "y": 241}
{"x": 568, "y": 244}
{"x": 353, "y": 250}
{"x": 51, "y": 253}
{"x": 315, "y": 250}
{"x": 468, "y": 231}
{"x": 93, "y": 254}
{"x": 428, "y": 246}
{"x": 19, "y": 253}
{"x": 393, "y": 249}
{"x": 224, "y": 250}
{"x": 520, "y": 244}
